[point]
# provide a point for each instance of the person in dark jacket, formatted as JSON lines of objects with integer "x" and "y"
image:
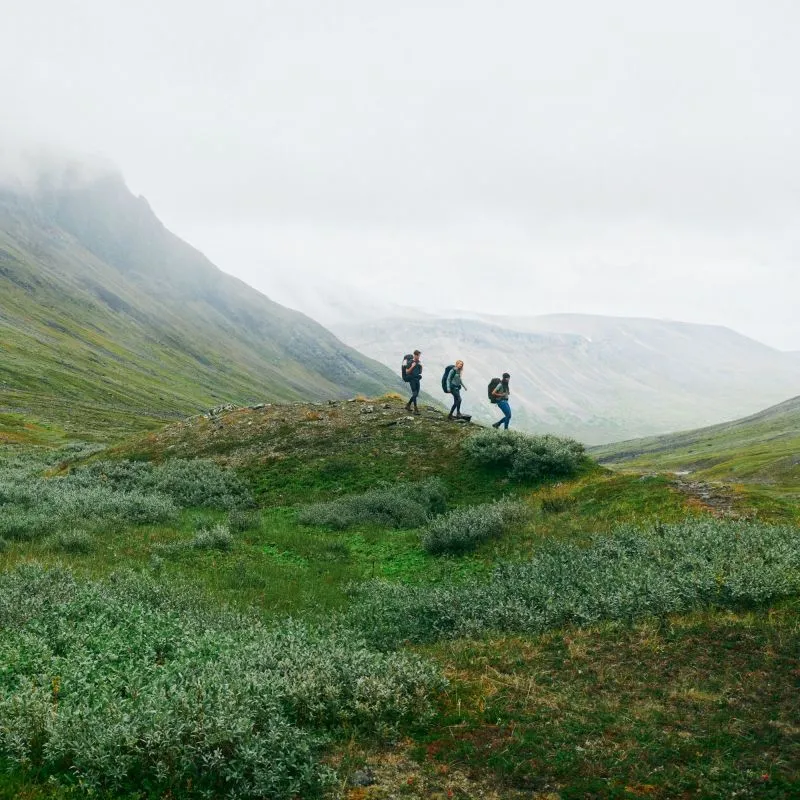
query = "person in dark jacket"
{"x": 455, "y": 384}
{"x": 414, "y": 373}
{"x": 501, "y": 393}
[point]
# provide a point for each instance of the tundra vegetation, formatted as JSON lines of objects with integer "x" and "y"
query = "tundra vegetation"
{"x": 430, "y": 609}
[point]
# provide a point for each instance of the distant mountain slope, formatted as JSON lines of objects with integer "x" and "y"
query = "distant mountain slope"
{"x": 102, "y": 308}
{"x": 596, "y": 378}
{"x": 762, "y": 448}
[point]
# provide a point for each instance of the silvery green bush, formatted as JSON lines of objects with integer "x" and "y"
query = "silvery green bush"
{"x": 463, "y": 529}
{"x": 106, "y": 493}
{"x": 188, "y": 482}
{"x": 401, "y": 505}
{"x": 124, "y": 683}
{"x": 216, "y": 538}
{"x": 525, "y": 456}
{"x": 76, "y": 542}
{"x": 631, "y": 573}
{"x": 38, "y": 506}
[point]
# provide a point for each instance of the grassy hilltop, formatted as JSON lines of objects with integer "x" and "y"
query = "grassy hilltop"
{"x": 341, "y": 600}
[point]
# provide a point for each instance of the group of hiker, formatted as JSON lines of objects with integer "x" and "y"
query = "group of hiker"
{"x": 453, "y": 384}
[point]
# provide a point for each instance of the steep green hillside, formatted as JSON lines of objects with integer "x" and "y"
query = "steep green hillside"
{"x": 762, "y": 449}
{"x": 108, "y": 318}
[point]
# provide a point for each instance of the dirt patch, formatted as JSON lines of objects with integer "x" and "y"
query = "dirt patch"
{"x": 395, "y": 774}
{"x": 714, "y": 498}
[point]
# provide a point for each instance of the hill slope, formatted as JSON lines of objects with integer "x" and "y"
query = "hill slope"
{"x": 595, "y": 378}
{"x": 294, "y": 452}
{"x": 763, "y": 448}
{"x": 106, "y": 314}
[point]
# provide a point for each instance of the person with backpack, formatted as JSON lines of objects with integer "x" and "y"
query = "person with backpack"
{"x": 452, "y": 384}
{"x": 411, "y": 371}
{"x": 499, "y": 394}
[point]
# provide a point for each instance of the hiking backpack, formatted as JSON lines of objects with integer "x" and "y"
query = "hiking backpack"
{"x": 493, "y": 383}
{"x": 446, "y": 378}
{"x": 407, "y": 361}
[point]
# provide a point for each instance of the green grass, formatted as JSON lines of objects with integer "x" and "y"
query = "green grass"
{"x": 760, "y": 451}
{"x": 20, "y": 429}
{"x": 698, "y": 704}
{"x": 701, "y": 705}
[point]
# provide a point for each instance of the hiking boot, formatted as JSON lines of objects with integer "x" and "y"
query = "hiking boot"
{"x": 497, "y": 424}
{"x": 450, "y": 416}
{"x": 417, "y": 411}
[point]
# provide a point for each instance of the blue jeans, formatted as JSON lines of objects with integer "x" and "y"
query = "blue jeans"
{"x": 506, "y": 409}
{"x": 414, "y": 385}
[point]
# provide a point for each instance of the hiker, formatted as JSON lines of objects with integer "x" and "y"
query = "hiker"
{"x": 455, "y": 385}
{"x": 412, "y": 374}
{"x": 499, "y": 395}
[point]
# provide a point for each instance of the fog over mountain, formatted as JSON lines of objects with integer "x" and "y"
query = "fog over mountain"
{"x": 102, "y": 306}
{"x": 521, "y": 158}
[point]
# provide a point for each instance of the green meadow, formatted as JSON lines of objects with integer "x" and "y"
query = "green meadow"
{"x": 337, "y": 600}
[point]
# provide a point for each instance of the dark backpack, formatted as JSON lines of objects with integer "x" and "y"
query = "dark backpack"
{"x": 407, "y": 361}
{"x": 446, "y": 378}
{"x": 493, "y": 384}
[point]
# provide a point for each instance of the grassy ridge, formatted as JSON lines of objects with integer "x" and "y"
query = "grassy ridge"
{"x": 761, "y": 450}
{"x": 303, "y": 452}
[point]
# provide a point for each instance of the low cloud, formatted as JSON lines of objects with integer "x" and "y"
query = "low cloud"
{"x": 26, "y": 167}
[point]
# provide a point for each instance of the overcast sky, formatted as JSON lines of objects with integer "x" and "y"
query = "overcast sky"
{"x": 622, "y": 157}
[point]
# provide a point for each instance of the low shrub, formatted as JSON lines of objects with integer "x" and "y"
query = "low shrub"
{"x": 125, "y": 683}
{"x": 630, "y": 573}
{"x": 187, "y": 482}
{"x": 403, "y": 505}
{"x": 464, "y": 529}
{"x": 109, "y": 493}
{"x": 73, "y": 542}
{"x": 200, "y": 482}
{"x": 240, "y": 521}
{"x": 21, "y": 524}
{"x": 526, "y": 457}
{"x": 216, "y": 538}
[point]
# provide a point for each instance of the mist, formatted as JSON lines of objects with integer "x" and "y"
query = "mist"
{"x": 616, "y": 158}
{"x": 25, "y": 167}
